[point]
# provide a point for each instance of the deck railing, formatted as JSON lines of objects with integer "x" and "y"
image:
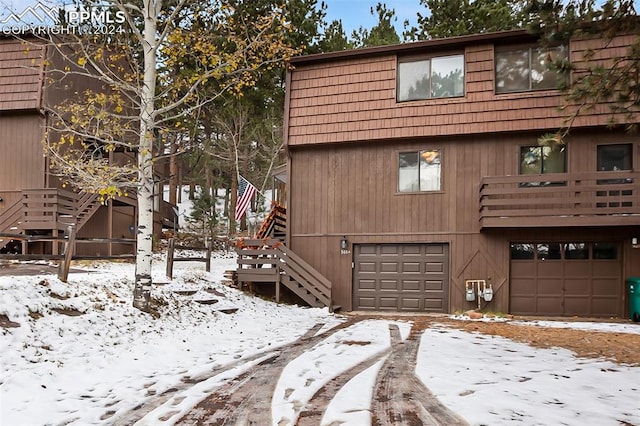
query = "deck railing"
{"x": 560, "y": 199}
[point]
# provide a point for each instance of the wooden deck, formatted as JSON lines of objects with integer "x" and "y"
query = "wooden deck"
{"x": 560, "y": 200}
{"x": 269, "y": 261}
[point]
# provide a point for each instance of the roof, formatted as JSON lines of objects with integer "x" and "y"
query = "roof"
{"x": 21, "y": 74}
{"x": 416, "y": 47}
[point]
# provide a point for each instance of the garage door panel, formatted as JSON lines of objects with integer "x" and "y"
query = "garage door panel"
{"x": 366, "y": 267}
{"x": 522, "y": 304}
{"x": 606, "y": 268}
{"x": 363, "y": 284}
{"x": 577, "y": 305}
{"x": 434, "y": 305}
{"x": 550, "y": 268}
{"x": 523, "y": 287}
{"x": 388, "y": 303}
{"x": 367, "y": 250}
{"x": 550, "y": 286}
{"x": 431, "y": 285}
{"x": 411, "y": 250}
{"x": 366, "y": 302}
{"x": 577, "y": 286}
{"x": 605, "y": 306}
{"x": 410, "y": 268}
{"x": 405, "y": 276}
{"x": 604, "y": 287}
{"x": 410, "y": 285}
{"x": 389, "y": 250}
{"x": 435, "y": 249}
{"x": 577, "y": 269}
{"x": 389, "y": 285}
{"x": 435, "y": 267}
{"x": 410, "y": 304}
{"x": 389, "y": 267}
{"x": 521, "y": 268}
{"x": 551, "y": 305}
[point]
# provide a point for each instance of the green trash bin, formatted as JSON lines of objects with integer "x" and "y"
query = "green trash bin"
{"x": 633, "y": 285}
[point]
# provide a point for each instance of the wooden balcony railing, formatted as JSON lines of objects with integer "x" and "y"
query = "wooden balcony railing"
{"x": 560, "y": 200}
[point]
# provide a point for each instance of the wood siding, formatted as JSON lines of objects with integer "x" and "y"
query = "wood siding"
{"x": 351, "y": 190}
{"x": 21, "y": 70}
{"x": 354, "y": 99}
{"x": 22, "y": 165}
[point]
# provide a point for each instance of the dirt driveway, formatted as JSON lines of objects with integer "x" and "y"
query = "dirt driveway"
{"x": 400, "y": 398}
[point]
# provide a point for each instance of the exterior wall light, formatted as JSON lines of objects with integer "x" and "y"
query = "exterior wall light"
{"x": 344, "y": 243}
{"x": 634, "y": 243}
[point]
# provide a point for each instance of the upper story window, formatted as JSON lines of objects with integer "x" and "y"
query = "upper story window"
{"x": 427, "y": 78}
{"x": 419, "y": 171}
{"x": 527, "y": 68}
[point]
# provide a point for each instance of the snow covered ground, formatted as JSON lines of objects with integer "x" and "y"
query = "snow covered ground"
{"x": 93, "y": 368}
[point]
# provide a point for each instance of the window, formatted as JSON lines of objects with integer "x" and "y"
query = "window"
{"x": 614, "y": 157}
{"x": 550, "y": 251}
{"x": 570, "y": 251}
{"x": 438, "y": 77}
{"x": 522, "y": 251}
{"x": 527, "y": 68}
{"x": 576, "y": 251}
{"x": 608, "y": 251}
{"x": 536, "y": 160}
{"x": 419, "y": 171}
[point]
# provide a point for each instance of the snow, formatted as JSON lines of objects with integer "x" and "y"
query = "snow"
{"x": 95, "y": 368}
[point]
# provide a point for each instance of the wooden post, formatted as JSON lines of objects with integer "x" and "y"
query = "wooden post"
{"x": 170, "y": 258}
{"x": 65, "y": 264}
{"x": 208, "y": 243}
{"x": 278, "y": 280}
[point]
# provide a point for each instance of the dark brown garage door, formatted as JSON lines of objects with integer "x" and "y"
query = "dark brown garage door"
{"x": 583, "y": 279}
{"x": 401, "y": 277}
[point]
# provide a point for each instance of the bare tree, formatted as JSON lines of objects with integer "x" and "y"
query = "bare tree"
{"x": 140, "y": 101}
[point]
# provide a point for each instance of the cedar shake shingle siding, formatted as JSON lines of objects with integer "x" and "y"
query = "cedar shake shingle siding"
{"x": 21, "y": 74}
{"x": 354, "y": 98}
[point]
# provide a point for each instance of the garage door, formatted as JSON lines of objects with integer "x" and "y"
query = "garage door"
{"x": 401, "y": 277}
{"x": 583, "y": 279}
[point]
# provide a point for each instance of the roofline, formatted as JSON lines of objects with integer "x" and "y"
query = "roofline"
{"x": 413, "y": 46}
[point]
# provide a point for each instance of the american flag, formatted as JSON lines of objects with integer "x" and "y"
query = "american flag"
{"x": 245, "y": 193}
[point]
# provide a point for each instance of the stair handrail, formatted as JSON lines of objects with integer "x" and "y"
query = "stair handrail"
{"x": 293, "y": 264}
{"x": 11, "y": 215}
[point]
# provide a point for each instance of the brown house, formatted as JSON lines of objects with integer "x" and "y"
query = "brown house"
{"x": 32, "y": 200}
{"x": 415, "y": 178}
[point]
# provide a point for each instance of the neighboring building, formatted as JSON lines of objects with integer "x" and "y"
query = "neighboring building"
{"x": 422, "y": 158}
{"x": 33, "y": 201}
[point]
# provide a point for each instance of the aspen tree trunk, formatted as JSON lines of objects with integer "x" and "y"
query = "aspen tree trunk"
{"x": 142, "y": 290}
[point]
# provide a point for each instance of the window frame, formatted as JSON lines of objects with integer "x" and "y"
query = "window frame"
{"x": 429, "y": 57}
{"x": 497, "y": 49}
{"x": 609, "y": 145}
{"x": 542, "y": 147}
{"x": 418, "y": 151}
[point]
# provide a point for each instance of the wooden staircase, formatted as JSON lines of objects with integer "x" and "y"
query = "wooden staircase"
{"x": 269, "y": 261}
{"x": 10, "y": 221}
{"x": 49, "y": 210}
{"x": 274, "y": 226}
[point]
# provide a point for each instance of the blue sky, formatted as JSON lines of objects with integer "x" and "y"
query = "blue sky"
{"x": 355, "y": 13}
